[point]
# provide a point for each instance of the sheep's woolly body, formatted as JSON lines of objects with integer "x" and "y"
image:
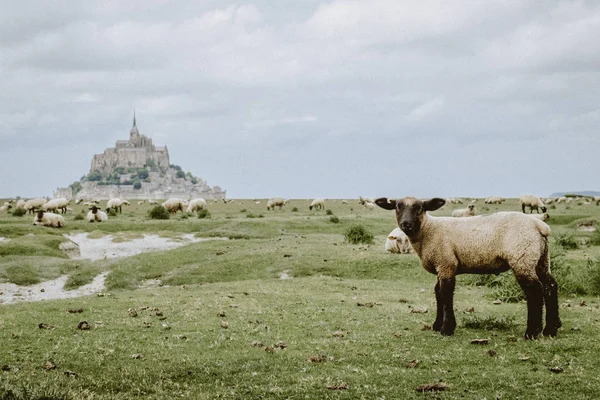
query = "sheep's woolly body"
{"x": 464, "y": 212}
{"x": 397, "y": 242}
{"x": 5, "y": 207}
{"x": 174, "y": 204}
{"x": 481, "y": 244}
{"x": 542, "y": 217}
{"x": 276, "y": 202}
{"x": 33, "y": 204}
{"x": 49, "y": 219}
{"x": 318, "y": 204}
{"x": 20, "y": 203}
{"x": 98, "y": 216}
{"x": 196, "y": 205}
{"x": 531, "y": 201}
{"x": 56, "y": 204}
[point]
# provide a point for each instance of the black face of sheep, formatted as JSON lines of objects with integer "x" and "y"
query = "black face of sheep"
{"x": 95, "y": 209}
{"x": 410, "y": 211}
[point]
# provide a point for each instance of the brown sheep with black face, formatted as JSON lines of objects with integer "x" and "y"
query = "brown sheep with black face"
{"x": 488, "y": 244}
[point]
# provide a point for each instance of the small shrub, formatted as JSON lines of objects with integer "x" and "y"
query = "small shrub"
{"x": 112, "y": 212}
{"x": 78, "y": 217}
{"x": 19, "y": 212}
{"x": 183, "y": 216}
{"x": 595, "y": 239}
{"x": 158, "y": 212}
{"x": 243, "y": 210}
{"x": 295, "y": 209}
{"x": 203, "y": 213}
{"x": 357, "y": 234}
{"x": 328, "y": 212}
{"x": 552, "y": 207}
{"x": 566, "y": 241}
{"x": 490, "y": 323}
{"x": 252, "y": 215}
{"x": 334, "y": 219}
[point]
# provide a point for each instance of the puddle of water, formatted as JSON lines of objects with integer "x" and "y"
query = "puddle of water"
{"x": 91, "y": 249}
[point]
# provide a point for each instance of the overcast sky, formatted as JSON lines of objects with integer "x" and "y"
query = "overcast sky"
{"x": 308, "y": 98}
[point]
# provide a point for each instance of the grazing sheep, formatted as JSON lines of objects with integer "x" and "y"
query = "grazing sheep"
{"x": 57, "y": 204}
{"x": 20, "y": 204}
{"x": 317, "y": 204}
{"x": 363, "y": 200}
{"x": 96, "y": 215}
{"x": 369, "y": 206}
{"x": 5, "y": 207}
{"x": 344, "y": 201}
{"x": 32, "y": 205}
{"x": 397, "y": 242}
{"x": 227, "y": 201}
{"x": 116, "y": 204}
{"x": 153, "y": 202}
{"x": 561, "y": 199}
{"x": 533, "y": 202}
{"x": 481, "y": 245}
{"x": 174, "y": 204}
{"x": 541, "y": 217}
{"x": 141, "y": 202}
{"x": 464, "y": 212}
{"x": 494, "y": 200}
{"x": 196, "y": 205}
{"x": 78, "y": 201}
{"x": 48, "y": 219}
{"x": 276, "y": 202}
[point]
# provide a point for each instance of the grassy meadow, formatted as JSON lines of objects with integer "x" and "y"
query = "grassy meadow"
{"x": 216, "y": 319}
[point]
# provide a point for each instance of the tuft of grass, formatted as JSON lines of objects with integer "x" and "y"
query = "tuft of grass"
{"x": 158, "y": 212}
{"x": 252, "y": 215}
{"x": 295, "y": 209}
{"x": 489, "y": 323}
{"x": 203, "y": 213}
{"x": 19, "y": 212}
{"x": 112, "y": 212}
{"x": 243, "y": 210}
{"x": 566, "y": 241}
{"x": 328, "y": 212}
{"x": 357, "y": 234}
{"x": 334, "y": 219}
{"x": 78, "y": 217}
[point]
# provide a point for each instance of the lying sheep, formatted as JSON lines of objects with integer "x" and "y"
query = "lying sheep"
{"x": 32, "y": 205}
{"x": 397, "y": 242}
{"x": 276, "y": 202}
{"x": 464, "y": 212}
{"x": 196, "y": 205}
{"x": 153, "y": 202}
{"x": 533, "y": 202}
{"x": 96, "y": 215}
{"x": 481, "y": 245}
{"x": 317, "y": 204}
{"x": 48, "y": 219}
{"x": 541, "y": 217}
{"x": 116, "y": 204}
{"x": 141, "y": 202}
{"x": 56, "y": 204}
{"x": 5, "y": 207}
{"x": 174, "y": 204}
{"x": 494, "y": 200}
{"x": 368, "y": 203}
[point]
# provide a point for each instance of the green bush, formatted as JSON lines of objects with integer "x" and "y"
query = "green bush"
{"x": 203, "y": 213}
{"x": 357, "y": 234}
{"x": 490, "y": 323}
{"x": 158, "y": 212}
{"x": 180, "y": 174}
{"x": 328, "y": 212}
{"x": 137, "y": 185}
{"x": 295, "y": 209}
{"x": 566, "y": 241}
{"x": 19, "y": 212}
{"x": 334, "y": 219}
{"x": 78, "y": 217}
{"x": 112, "y": 212}
{"x": 595, "y": 239}
{"x": 243, "y": 210}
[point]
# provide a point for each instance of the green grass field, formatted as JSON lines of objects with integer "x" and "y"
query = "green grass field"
{"x": 351, "y": 323}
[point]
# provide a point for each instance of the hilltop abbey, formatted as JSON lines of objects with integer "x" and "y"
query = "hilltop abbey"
{"x": 114, "y": 173}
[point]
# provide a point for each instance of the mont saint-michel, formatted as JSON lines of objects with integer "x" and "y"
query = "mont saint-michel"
{"x": 138, "y": 169}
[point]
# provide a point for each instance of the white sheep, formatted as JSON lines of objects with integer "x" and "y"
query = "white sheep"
{"x": 5, "y": 207}
{"x": 56, "y": 204}
{"x": 174, "y": 204}
{"x": 196, "y": 205}
{"x": 481, "y": 245}
{"x": 363, "y": 200}
{"x": 20, "y": 204}
{"x": 533, "y": 202}
{"x": 464, "y": 212}
{"x": 494, "y": 200}
{"x": 96, "y": 215}
{"x": 561, "y": 199}
{"x": 141, "y": 202}
{"x": 344, "y": 201}
{"x": 48, "y": 219}
{"x": 369, "y": 206}
{"x": 317, "y": 204}
{"x": 32, "y": 205}
{"x": 276, "y": 202}
{"x": 116, "y": 204}
{"x": 153, "y": 202}
{"x": 397, "y": 242}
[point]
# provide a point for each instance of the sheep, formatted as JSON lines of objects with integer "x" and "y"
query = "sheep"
{"x": 276, "y": 202}
{"x": 344, "y": 201}
{"x": 48, "y": 219}
{"x": 5, "y": 207}
{"x": 397, "y": 242}
{"x": 464, "y": 212}
{"x": 541, "y": 217}
{"x": 20, "y": 204}
{"x": 494, "y": 200}
{"x": 369, "y": 206}
{"x": 174, "y": 204}
{"x": 317, "y": 204}
{"x": 596, "y": 199}
{"x": 57, "y": 204}
{"x": 153, "y": 202}
{"x": 196, "y": 205}
{"x": 141, "y": 202}
{"x": 368, "y": 203}
{"x": 32, "y": 205}
{"x": 481, "y": 245}
{"x": 533, "y": 202}
{"x": 116, "y": 204}
{"x": 78, "y": 201}
{"x": 561, "y": 199}
{"x": 96, "y": 215}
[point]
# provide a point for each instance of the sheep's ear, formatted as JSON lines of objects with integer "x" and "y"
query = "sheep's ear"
{"x": 388, "y": 204}
{"x": 433, "y": 204}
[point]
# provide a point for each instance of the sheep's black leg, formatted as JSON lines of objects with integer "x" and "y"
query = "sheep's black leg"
{"x": 551, "y": 300}
{"x": 534, "y": 294}
{"x": 439, "y": 316}
{"x": 523, "y": 208}
{"x": 447, "y": 297}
